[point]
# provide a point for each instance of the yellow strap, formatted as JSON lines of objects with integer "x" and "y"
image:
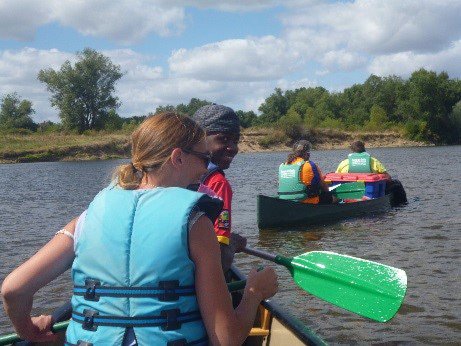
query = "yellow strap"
{"x": 223, "y": 239}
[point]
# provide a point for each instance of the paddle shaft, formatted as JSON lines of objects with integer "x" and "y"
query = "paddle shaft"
{"x": 285, "y": 261}
{"x": 12, "y": 338}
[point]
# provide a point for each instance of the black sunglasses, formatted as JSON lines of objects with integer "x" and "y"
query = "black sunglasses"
{"x": 206, "y": 157}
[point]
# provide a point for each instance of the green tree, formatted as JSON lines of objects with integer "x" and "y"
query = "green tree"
{"x": 193, "y": 105}
{"x": 112, "y": 121}
{"x": 324, "y": 108}
{"x": 310, "y": 119}
{"x": 185, "y": 109}
{"x": 273, "y": 108}
{"x": 431, "y": 100}
{"x": 83, "y": 92}
{"x": 378, "y": 119}
{"x": 291, "y": 125}
{"x": 304, "y": 98}
{"x": 48, "y": 127}
{"x": 354, "y": 111}
{"x": 166, "y": 108}
{"x": 455, "y": 120}
{"x": 16, "y": 113}
{"x": 247, "y": 119}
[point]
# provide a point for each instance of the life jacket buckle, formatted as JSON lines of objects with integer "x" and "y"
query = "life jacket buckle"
{"x": 172, "y": 322}
{"x": 88, "y": 321}
{"x": 91, "y": 286}
{"x": 180, "y": 342}
{"x": 169, "y": 290}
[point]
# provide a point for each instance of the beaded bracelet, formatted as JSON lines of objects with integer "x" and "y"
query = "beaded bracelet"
{"x": 65, "y": 232}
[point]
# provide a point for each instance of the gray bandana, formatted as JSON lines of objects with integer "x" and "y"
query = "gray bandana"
{"x": 217, "y": 118}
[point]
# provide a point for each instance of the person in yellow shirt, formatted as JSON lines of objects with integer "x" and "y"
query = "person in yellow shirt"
{"x": 359, "y": 161}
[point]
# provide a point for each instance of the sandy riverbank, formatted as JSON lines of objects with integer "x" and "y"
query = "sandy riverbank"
{"x": 250, "y": 141}
{"x": 61, "y": 147}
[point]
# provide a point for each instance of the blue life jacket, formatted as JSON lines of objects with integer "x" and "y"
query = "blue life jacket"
{"x": 291, "y": 186}
{"x": 132, "y": 269}
{"x": 359, "y": 163}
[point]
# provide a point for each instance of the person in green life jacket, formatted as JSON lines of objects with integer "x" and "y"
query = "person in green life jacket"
{"x": 301, "y": 179}
{"x": 359, "y": 161}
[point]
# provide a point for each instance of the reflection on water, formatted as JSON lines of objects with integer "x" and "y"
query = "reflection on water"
{"x": 422, "y": 238}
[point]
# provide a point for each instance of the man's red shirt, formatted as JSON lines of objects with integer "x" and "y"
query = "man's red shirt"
{"x": 220, "y": 185}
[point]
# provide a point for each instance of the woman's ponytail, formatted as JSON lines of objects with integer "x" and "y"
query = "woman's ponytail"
{"x": 128, "y": 177}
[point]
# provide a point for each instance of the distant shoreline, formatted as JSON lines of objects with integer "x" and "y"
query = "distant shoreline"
{"x": 329, "y": 139}
{"x": 100, "y": 146}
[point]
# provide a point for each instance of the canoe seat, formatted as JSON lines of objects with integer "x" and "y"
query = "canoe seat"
{"x": 258, "y": 332}
{"x": 262, "y": 323}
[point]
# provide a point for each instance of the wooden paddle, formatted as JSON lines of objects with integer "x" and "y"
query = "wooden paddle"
{"x": 364, "y": 287}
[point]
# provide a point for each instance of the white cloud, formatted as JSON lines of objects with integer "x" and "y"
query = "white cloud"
{"x": 143, "y": 98}
{"x": 343, "y": 60}
{"x": 248, "y": 59}
{"x": 20, "y": 19}
{"x": 136, "y": 67}
{"x": 405, "y": 63}
{"x": 345, "y": 36}
{"x": 143, "y": 87}
{"x": 285, "y": 84}
{"x": 122, "y": 21}
{"x": 375, "y": 26}
{"x": 19, "y": 70}
{"x": 237, "y": 5}
{"x": 18, "y": 73}
{"x": 394, "y": 36}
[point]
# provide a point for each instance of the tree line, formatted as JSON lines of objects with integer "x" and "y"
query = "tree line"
{"x": 426, "y": 106}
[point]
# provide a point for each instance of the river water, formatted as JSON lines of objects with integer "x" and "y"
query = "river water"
{"x": 423, "y": 237}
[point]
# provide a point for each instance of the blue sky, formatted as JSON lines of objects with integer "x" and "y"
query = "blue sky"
{"x": 230, "y": 52}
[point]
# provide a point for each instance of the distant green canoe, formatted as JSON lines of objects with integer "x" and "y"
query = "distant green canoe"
{"x": 274, "y": 212}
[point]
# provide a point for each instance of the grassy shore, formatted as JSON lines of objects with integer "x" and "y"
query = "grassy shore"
{"x": 61, "y": 147}
{"x": 72, "y": 147}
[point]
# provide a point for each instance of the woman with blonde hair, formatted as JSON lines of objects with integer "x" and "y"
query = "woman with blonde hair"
{"x": 145, "y": 260}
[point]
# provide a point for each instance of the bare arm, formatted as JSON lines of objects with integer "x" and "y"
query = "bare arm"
{"x": 224, "y": 325}
{"x": 20, "y": 286}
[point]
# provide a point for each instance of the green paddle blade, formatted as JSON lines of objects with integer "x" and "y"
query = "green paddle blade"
{"x": 364, "y": 287}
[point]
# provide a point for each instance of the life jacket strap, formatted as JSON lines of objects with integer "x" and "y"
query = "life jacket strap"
{"x": 168, "y": 319}
{"x": 179, "y": 342}
{"x": 79, "y": 343}
{"x": 165, "y": 291}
